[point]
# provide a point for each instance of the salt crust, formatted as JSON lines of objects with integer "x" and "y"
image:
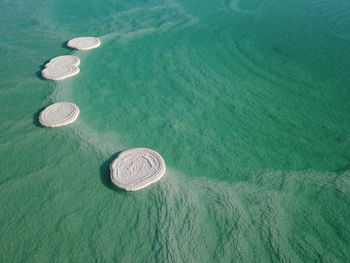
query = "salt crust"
{"x": 61, "y": 67}
{"x": 59, "y": 114}
{"x": 68, "y": 60}
{"x": 84, "y": 43}
{"x": 137, "y": 168}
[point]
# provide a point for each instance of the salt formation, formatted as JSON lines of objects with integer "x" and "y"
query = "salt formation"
{"x": 68, "y": 60}
{"x": 61, "y": 67}
{"x": 84, "y": 43}
{"x": 59, "y": 114}
{"x": 137, "y": 168}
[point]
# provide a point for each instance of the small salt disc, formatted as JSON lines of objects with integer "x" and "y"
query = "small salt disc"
{"x": 137, "y": 168}
{"x": 59, "y": 114}
{"x": 84, "y": 43}
{"x": 59, "y": 72}
{"x": 67, "y": 60}
{"x": 61, "y": 67}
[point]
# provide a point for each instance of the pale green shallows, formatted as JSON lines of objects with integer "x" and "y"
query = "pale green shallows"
{"x": 248, "y": 102}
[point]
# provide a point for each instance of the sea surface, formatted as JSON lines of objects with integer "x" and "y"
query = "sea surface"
{"x": 248, "y": 101}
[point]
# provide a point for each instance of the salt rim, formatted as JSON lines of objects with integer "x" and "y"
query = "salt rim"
{"x": 84, "y": 43}
{"x": 59, "y": 72}
{"x": 61, "y": 67}
{"x": 137, "y": 168}
{"x": 59, "y": 114}
{"x": 66, "y": 60}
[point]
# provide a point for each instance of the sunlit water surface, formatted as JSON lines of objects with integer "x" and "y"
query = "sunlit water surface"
{"x": 246, "y": 100}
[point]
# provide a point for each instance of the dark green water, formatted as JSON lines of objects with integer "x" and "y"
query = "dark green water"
{"x": 246, "y": 100}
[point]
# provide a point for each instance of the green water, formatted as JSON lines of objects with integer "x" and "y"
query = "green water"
{"x": 246, "y": 100}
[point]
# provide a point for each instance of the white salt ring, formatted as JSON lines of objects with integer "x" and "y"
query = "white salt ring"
{"x": 67, "y": 60}
{"x": 59, "y": 114}
{"x": 84, "y": 43}
{"x": 137, "y": 168}
{"x": 61, "y": 67}
{"x": 59, "y": 72}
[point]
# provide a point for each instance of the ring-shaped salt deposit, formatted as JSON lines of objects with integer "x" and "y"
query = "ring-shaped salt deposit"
{"x": 59, "y": 72}
{"x": 137, "y": 168}
{"x": 67, "y": 60}
{"x": 61, "y": 67}
{"x": 59, "y": 114}
{"x": 84, "y": 43}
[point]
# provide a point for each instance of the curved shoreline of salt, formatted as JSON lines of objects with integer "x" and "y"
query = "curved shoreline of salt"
{"x": 59, "y": 114}
{"x": 84, "y": 43}
{"x": 137, "y": 168}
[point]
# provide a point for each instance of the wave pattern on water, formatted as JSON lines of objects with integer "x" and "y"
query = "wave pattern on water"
{"x": 252, "y": 220}
{"x": 275, "y": 216}
{"x": 249, "y": 6}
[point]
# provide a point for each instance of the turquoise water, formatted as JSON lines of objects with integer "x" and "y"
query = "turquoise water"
{"x": 246, "y": 100}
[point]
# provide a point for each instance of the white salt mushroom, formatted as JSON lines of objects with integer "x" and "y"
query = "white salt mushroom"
{"x": 67, "y": 60}
{"x": 59, "y": 114}
{"x": 137, "y": 168}
{"x": 84, "y": 43}
{"x": 60, "y": 72}
{"x": 61, "y": 67}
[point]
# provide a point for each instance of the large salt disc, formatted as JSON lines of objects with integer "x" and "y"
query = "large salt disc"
{"x": 137, "y": 168}
{"x": 60, "y": 72}
{"x": 84, "y": 43}
{"x": 59, "y": 114}
{"x": 67, "y": 60}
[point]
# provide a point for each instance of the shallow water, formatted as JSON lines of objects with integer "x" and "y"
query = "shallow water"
{"x": 246, "y": 100}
